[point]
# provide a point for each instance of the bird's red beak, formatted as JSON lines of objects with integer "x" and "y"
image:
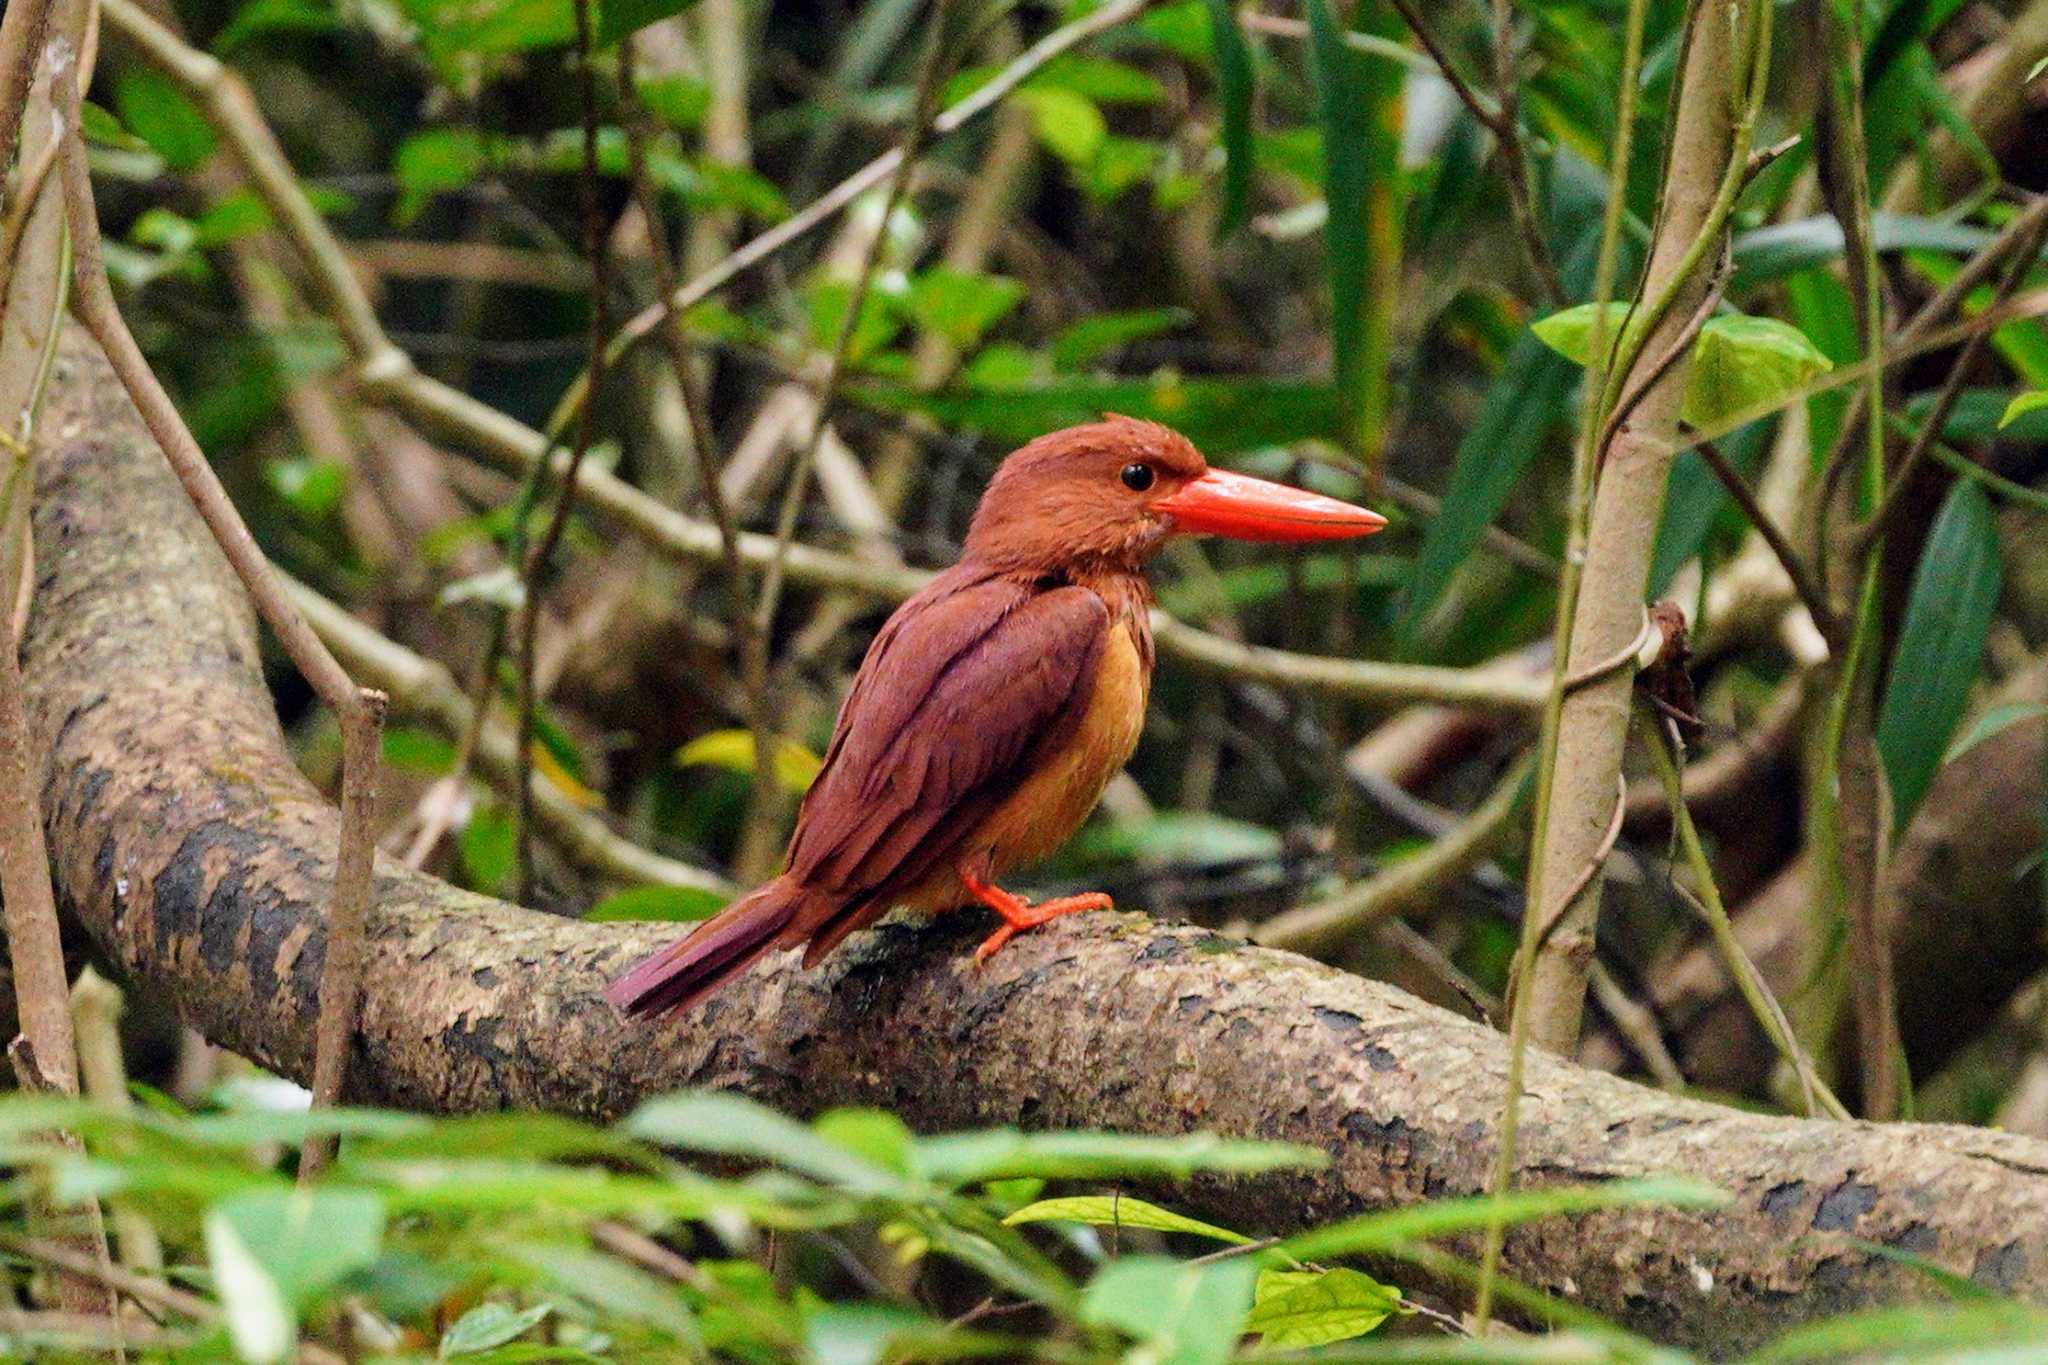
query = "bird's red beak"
{"x": 1244, "y": 508}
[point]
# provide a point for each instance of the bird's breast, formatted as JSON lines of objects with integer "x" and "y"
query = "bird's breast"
{"x": 1052, "y": 802}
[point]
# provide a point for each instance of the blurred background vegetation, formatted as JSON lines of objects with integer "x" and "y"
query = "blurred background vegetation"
{"x": 1297, "y": 234}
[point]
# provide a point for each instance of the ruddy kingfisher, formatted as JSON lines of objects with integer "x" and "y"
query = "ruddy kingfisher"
{"x": 995, "y": 705}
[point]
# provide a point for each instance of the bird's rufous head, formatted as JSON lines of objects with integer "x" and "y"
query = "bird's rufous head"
{"x": 1113, "y": 491}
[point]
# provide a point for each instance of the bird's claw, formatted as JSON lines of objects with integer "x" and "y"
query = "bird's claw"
{"x": 1019, "y": 914}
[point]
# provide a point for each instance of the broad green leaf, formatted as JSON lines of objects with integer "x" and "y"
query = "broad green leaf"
{"x": 418, "y": 751}
{"x": 617, "y": 18}
{"x": 1120, "y": 1211}
{"x": 1993, "y": 722}
{"x": 709, "y": 1121}
{"x": 103, "y": 128}
{"x": 1079, "y": 345}
{"x": 1118, "y": 164}
{"x": 2021, "y": 405}
{"x": 1737, "y": 363}
{"x": 1180, "y": 838}
{"x": 1358, "y": 102}
{"x": 1234, "y": 90}
{"x": 1220, "y": 415}
{"x": 1977, "y": 415}
{"x": 666, "y": 904}
{"x": 260, "y": 1323}
{"x": 1399, "y": 1227}
{"x": 1068, "y": 123}
{"x": 1181, "y": 1314}
{"x": 1950, "y": 1332}
{"x": 1297, "y": 1309}
{"x": 873, "y": 1134}
{"x": 488, "y": 1326}
{"x": 1099, "y": 79}
{"x": 154, "y": 109}
{"x": 611, "y": 1285}
{"x": 305, "y": 1240}
{"x": 1182, "y": 28}
{"x": 1569, "y": 331}
{"x": 825, "y": 304}
{"x": 1941, "y": 644}
{"x": 1744, "y": 362}
{"x": 795, "y": 766}
{"x": 451, "y": 28}
{"x": 1006, "y": 1153}
{"x": 959, "y": 306}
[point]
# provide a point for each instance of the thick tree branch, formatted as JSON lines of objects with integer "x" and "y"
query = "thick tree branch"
{"x": 199, "y": 859}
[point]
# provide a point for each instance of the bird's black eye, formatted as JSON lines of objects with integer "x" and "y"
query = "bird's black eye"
{"x": 1137, "y": 477}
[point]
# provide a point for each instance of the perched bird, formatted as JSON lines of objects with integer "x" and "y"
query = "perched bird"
{"x": 995, "y": 705}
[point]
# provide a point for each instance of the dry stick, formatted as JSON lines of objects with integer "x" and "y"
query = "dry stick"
{"x": 1319, "y": 928}
{"x": 1789, "y": 559}
{"x": 1945, "y": 401}
{"x": 388, "y": 378}
{"x": 543, "y": 552}
{"x": 758, "y": 831}
{"x": 359, "y": 712}
{"x": 96, "y": 1005}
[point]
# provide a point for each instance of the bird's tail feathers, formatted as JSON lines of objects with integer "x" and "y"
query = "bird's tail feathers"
{"x": 683, "y": 974}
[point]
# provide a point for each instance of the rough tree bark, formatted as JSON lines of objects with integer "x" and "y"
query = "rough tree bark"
{"x": 199, "y": 859}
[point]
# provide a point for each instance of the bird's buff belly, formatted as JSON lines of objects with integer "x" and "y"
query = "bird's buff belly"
{"x": 1052, "y": 803}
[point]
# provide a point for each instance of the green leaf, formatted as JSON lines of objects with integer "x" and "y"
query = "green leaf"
{"x": 1744, "y": 362}
{"x": 260, "y": 1323}
{"x": 1182, "y": 1314}
{"x": 1297, "y": 1309}
{"x": 1993, "y": 722}
{"x": 154, "y": 109}
{"x": 826, "y": 302}
{"x": 1234, "y": 90}
{"x": 1068, "y": 123}
{"x": 1120, "y": 1211}
{"x": 1358, "y": 108}
{"x": 665, "y": 904}
{"x": 1080, "y": 344}
{"x": 2021, "y": 405}
{"x": 617, "y": 18}
{"x": 1181, "y": 838}
{"x": 1696, "y": 501}
{"x": 1005, "y": 1153}
{"x": 1220, "y": 415}
{"x": 100, "y": 126}
{"x": 311, "y": 488}
{"x": 1738, "y": 362}
{"x": 487, "y": 847}
{"x": 1941, "y": 644}
{"x": 304, "y": 1241}
{"x": 418, "y": 751}
{"x": 709, "y": 1121}
{"x": 437, "y": 161}
{"x": 610, "y": 1285}
{"x": 795, "y": 766}
{"x": 1769, "y": 253}
{"x": 678, "y": 101}
{"x": 450, "y": 28}
{"x": 259, "y": 17}
{"x": 1098, "y": 79}
{"x": 960, "y": 306}
{"x": 1118, "y": 164}
{"x": 1400, "y": 1227}
{"x": 488, "y": 1326}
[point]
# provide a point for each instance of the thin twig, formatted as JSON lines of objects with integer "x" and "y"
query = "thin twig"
{"x": 542, "y": 555}
{"x": 1789, "y": 559}
{"x": 358, "y": 711}
{"x": 1318, "y": 928}
{"x": 1873, "y": 527}
{"x": 1514, "y": 159}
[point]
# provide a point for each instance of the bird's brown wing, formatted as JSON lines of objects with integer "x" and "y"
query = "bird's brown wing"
{"x": 961, "y": 688}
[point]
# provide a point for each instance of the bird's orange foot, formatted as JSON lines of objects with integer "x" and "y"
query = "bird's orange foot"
{"x": 1019, "y": 914}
